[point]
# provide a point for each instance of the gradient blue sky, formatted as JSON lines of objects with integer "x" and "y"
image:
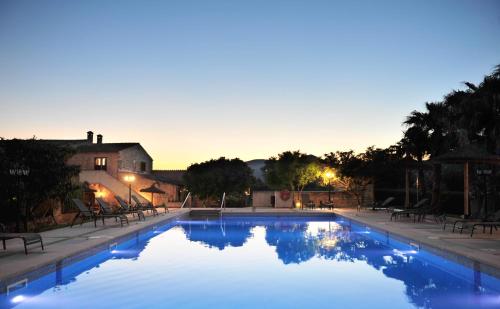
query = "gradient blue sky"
{"x": 194, "y": 80}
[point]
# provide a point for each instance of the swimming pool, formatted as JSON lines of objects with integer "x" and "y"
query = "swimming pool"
{"x": 260, "y": 262}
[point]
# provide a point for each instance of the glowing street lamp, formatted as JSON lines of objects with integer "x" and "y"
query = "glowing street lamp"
{"x": 129, "y": 179}
{"x": 329, "y": 175}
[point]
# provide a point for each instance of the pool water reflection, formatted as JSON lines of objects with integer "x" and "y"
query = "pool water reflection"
{"x": 261, "y": 262}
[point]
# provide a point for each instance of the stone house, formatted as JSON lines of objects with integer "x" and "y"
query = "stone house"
{"x": 106, "y": 167}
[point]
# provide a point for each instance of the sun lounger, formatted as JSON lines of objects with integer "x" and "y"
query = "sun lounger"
{"x": 461, "y": 224}
{"x": 485, "y": 225}
{"x": 383, "y": 205}
{"x": 108, "y": 211}
{"x": 417, "y": 210}
{"x": 84, "y": 213}
{"x": 125, "y": 209}
{"x": 144, "y": 206}
{"x": 149, "y": 205}
{"x": 27, "y": 238}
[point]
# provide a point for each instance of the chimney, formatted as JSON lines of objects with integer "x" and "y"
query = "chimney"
{"x": 90, "y": 137}
{"x": 99, "y": 138}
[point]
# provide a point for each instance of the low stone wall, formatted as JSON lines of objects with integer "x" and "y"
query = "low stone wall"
{"x": 262, "y": 198}
{"x": 339, "y": 199}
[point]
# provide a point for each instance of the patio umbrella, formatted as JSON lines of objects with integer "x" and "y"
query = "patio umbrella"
{"x": 152, "y": 189}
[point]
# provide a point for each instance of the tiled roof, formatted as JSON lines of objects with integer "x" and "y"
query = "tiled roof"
{"x": 169, "y": 176}
{"x": 105, "y": 147}
{"x": 85, "y": 146}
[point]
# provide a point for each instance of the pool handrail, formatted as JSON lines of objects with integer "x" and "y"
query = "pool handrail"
{"x": 185, "y": 200}
{"x": 223, "y": 202}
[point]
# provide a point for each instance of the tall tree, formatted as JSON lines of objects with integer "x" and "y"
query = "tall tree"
{"x": 291, "y": 170}
{"x": 49, "y": 176}
{"x": 354, "y": 174}
{"x": 212, "y": 178}
{"x": 435, "y": 124}
{"x": 415, "y": 145}
{"x": 463, "y": 117}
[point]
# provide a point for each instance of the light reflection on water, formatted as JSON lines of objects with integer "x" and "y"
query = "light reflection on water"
{"x": 261, "y": 263}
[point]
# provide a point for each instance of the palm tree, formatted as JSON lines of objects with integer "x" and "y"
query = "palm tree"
{"x": 415, "y": 145}
{"x": 433, "y": 128}
{"x": 486, "y": 102}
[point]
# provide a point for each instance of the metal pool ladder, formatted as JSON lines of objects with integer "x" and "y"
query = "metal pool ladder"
{"x": 223, "y": 202}
{"x": 185, "y": 200}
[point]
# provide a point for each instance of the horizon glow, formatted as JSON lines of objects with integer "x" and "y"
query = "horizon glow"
{"x": 196, "y": 80}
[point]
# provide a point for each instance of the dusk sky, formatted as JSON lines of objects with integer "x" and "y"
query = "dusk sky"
{"x": 195, "y": 80}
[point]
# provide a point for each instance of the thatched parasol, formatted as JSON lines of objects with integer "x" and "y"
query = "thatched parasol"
{"x": 152, "y": 189}
{"x": 468, "y": 153}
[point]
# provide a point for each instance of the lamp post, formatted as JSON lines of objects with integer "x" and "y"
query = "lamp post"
{"x": 20, "y": 171}
{"x": 329, "y": 175}
{"x": 129, "y": 179}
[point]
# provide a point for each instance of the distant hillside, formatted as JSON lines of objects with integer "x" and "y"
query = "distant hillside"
{"x": 256, "y": 166}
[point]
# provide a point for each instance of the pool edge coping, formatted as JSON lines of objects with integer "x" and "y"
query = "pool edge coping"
{"x": 37, "y": 271}
{"x": 462, "y": 259}
{"x": 40, "y": 270}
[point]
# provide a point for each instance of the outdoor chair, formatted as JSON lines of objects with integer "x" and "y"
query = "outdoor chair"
{"x": 125, "y": 209}
{"x": 27, "y": 238}
{"x": 383, "y": 205}
{"x": 418, "y": 210}
{"x": 485, "y": 225}
{"x": 436, "y": 212}
{"x": 493, "y": 221}
{"x": 328, "y": 205}
{"x": 306, "y": 202}
{"x": 84, "y": 213}
{"x": 150, "y": 205}
{"x": 164, "y": 206}
{"x": 108, "y": 212}
{"x": 310, "y": 205}
{"x": 144, "y": 206}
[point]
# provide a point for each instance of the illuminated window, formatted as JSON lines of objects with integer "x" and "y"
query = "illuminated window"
{"x": 100, "y": 164}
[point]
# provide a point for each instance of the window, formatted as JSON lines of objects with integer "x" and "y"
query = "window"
{"x": 143, "y": 166}
{"x": 100, "y": 164}
{"x": 120, "y": 164}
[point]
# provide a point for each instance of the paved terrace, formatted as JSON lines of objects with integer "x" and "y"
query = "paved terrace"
{"x": 63, "y": 243}
{"x": 60, "y": 244}
{"x": 481, "y": 249}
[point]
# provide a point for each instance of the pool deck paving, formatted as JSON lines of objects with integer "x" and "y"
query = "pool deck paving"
{"x": 481, "y": 251}
{"x": 68, "y": 242}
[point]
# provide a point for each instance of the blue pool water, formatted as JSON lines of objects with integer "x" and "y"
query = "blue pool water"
{"x": 256, "y": 262}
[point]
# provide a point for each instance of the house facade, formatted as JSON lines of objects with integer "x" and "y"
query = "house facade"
{"x": 106, "y": 167}
{"x": 114, "y": 158}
